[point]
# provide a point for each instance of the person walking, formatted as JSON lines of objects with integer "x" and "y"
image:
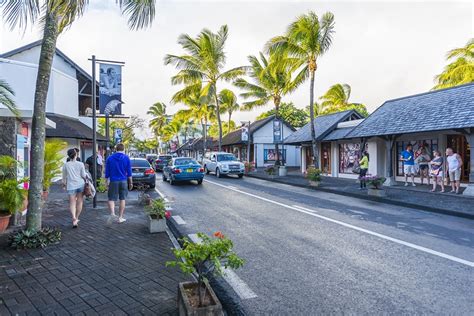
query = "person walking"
{"x": 118, "y": 174}
{"x": 99, "y": 165}
{"x": 74, "y": 177}
{"x": 364, "y": 167}
{"x": 454, "y": 169}
{"x": 422, "y": 160}
{"x": 436, "y": 170}
{"x": 408, "y": 158}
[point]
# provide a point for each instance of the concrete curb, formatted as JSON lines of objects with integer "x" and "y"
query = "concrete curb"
{"x": 372, "y": 198}
{"x": 226, "y": 294}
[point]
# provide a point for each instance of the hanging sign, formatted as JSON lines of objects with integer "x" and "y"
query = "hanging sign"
{"x": 110, "y": 92}
{"x": 277, "y": 131}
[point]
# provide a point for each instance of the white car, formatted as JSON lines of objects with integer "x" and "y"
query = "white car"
{"x": 222, "y": 163}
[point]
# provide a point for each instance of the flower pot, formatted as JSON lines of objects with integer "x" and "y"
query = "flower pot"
{"x": 4, "y": 221}
{"x": 282, "y": 172}
{"x": 188, "y": 301}
{"x": 376, "y": 192}
{"x": 314, "y": 183}
{"x": 157, "y": 225}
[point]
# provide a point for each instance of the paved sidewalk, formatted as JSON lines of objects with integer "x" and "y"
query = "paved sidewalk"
{"x": 418, "y": 197}
{"x": 95, "y": 270}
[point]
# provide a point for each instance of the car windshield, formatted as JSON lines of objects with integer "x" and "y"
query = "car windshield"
{"x": 140, "y": 163}
{"x": 164, "y": 157}
{"x": 228, "y": 157}
{"x": 185, "y": 161}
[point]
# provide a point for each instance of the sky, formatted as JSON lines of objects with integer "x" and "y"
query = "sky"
{"x": 382, "y": 49}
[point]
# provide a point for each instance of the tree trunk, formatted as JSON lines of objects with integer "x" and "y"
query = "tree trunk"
{"x": 218, "y": 114}
{"x": 277, "y": 147}
{"x": 48, "y": 48}
{"x": 204, "y": 143}
{"x": 311, "y": 115}
{"x": 228, "y": 123}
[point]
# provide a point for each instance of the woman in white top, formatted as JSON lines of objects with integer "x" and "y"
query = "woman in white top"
{"x": 454, "y": 169}
{"x": 74, "y": 175}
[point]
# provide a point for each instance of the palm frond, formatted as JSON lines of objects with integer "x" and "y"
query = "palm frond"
{"x": 6, "y": 97}
{"x": 141, "y": 13}
{"x": 20, "y": 12}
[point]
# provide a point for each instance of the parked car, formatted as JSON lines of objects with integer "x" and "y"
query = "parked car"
{"x": 151, "y": 158}
{"x": 222, "y": 163}
{"x": 162, "y": 161}
{"x": 142, "y": 172}
{"x": 183, "y": 169}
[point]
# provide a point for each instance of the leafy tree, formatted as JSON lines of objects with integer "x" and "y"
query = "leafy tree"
{"x": 214, "y": 128}
{"x": 128, "y": 127}
{"x": 336, "y": 99}
{"x": 289, "y": 113}
{"x": 271, "y": 80}
{"x": 159, "y": 117}
{"x": 55, "y": 16}
{"x": 460, "y": 70}
{"x": 307, "y": 39}
{"x": 172, "y": 130}
{"x": 203, "y": 63}
{"x": 6, "y": 97}
{"x": 228, "y": 101}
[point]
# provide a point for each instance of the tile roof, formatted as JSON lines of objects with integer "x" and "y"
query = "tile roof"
{"x": 434, "y": 110}
{"x": 323, "y": 125}
{"x": 68, "y": 127}
{"x": 339, "y": 133}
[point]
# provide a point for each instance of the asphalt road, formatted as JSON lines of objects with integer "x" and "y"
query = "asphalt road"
{"x": 310, "y": 252}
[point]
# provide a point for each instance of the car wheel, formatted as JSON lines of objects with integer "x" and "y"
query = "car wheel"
{"x": 218, "y": 173}
{"x": 207, "y": 170}
{"x": 152, "y": 186}
{"x": 199, "y": 181}
{"x": 241, "y": 176}
{"x": 171, "y": 181}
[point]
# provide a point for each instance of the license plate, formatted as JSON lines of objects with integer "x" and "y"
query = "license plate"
{"x": 137, "y": 174}
{"x": 189, "y": 170}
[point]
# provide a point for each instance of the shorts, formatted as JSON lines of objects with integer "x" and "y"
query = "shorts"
{"x": 118, "y": 190}
{"x": 409, "y": 169}
{"x": 76, "y": 191}
{"x": 423, "y": 167}
{"x": 455, "y": 175}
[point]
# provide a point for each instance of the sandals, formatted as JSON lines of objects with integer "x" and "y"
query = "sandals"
{"x": 74, "y": 223}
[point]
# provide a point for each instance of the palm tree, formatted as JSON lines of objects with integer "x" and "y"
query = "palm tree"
{"x": 158, "y": 112}
{"x": 55, "y": 16}
{"x": 336, "y": 99}
{"x": 172, "y": 129}
{"x": 228, "y": 103}
{"x": 272, "y": 79}
{"x": 307, "y": 39}
{"x": 203, "y": 62}
{"x": 6, "y": 97}
{"x": 461, "y": 70}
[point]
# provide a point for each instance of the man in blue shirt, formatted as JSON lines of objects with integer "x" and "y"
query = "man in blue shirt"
{"x": 408, "y": 158}
{"x": 118, "y": 173}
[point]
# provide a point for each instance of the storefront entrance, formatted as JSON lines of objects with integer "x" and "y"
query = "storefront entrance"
{"x": 460, "y": 145}
{"x": 326, "y": 158}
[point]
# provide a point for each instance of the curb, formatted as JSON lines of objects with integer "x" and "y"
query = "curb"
{"x": 373, "y": 198}
{"x": 229, "y": 299}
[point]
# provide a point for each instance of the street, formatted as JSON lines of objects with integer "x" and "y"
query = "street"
{"x": 309, "y": 252}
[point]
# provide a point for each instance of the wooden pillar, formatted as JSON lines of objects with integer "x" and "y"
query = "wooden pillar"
{"x": 470, "y": 187}
{"x": 389, "y": 142}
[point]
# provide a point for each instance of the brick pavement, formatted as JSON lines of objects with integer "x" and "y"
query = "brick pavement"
{"x": 96, "y": 269}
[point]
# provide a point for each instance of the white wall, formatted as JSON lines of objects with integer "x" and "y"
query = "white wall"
{"x": 264, "y": 135}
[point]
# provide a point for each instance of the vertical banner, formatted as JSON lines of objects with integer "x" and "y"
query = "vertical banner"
{"x": 110, "y": 93}
{"x": 118, "y": 135}
{"x": 277, "y": 137}
{"x": 245, "y": 134}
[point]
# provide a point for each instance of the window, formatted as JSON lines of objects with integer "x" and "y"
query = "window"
{"x": 186, "y": 161}
{"x": 431, "y": 144}
{"x": 140, "y": 163}
{"x": 228, "y": 157}
{"x": 269, "y": 155}
{"x": 349, "y": 155}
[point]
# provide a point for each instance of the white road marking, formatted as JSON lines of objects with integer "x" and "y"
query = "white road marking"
{"x": 369, "y": 232}
{"x": 179, "y": 220}
{"x": 358, "y": 212}
{"x": 239, "y": 286}
{"x": 159, "y": 192}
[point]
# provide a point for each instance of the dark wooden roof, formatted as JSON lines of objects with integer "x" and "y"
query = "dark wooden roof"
{"x": 67, "y": 127}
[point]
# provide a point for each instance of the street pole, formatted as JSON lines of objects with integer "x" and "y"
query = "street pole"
{"x": 248, "y": 146}
{"x": 107, "y": 136}
{"x": 94, "y": 132}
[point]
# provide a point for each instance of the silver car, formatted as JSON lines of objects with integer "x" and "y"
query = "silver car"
{"x": 222, "y": 163}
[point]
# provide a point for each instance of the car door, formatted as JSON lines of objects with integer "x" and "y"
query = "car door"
{"x": 213, "y": 162}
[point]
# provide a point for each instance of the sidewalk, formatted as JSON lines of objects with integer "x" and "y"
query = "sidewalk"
{"x": 418, "y": 197}
{"x": 96, "y": 269}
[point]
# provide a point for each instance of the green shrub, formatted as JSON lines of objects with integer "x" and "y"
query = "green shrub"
{"x": 313, "y": 174}
{"x": 102, "y": 187}
{"x": 157, "y": 209}
{"x": 53, "y": 161}
{"x": 12, "y": 193}
{"x": 29, "y": 239}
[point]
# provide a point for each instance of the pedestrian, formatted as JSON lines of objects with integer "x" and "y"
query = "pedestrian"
{"x": 408, "y": 159}
{"x": 74, "y": 177}
{"x": 118, "y": 173}
{"x": 454, "y": 161}
{"x": 436, "y": 170}
{"x": 364, "y": 167}
{"x": 422, "y": 160}
{"x": 77, "y": 155}
{"x": 99, "y": 165}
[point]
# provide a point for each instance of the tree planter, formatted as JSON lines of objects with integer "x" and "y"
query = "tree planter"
{"x": 282, "y": 172}
{"x": 376, "y": 192}
{"x": 188, "y": 301}
{"x": 157, "y": 225}
{"x": 314, "y": 183}
{"x": 4, "y": 221}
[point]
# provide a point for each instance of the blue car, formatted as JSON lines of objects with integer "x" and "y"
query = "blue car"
{"x": 183, "y": 169}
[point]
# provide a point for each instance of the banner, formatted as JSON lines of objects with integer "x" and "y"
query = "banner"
{"x": 277, "y": 131}
{"x": 110, "y": 92}
{"x": 118, "y": 135}
{"x": 245, "y": 134}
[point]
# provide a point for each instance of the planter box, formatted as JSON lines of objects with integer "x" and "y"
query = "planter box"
{"x": 376, "y": 192}
{"x": 157, "y": 225}
{"x": 282, "y": 172}
{"x": 314, "y": 183}
{"x": 184, "y": 304}
{"x": 4, "y": 221}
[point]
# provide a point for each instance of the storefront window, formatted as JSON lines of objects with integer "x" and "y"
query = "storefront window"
{"x": 269, "y": 155}
{"x": 430, "y": 144}
{"x": 349, "y": 155}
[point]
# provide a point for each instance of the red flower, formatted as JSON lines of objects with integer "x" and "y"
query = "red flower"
{"x": 167, "y": 214}
{"x": 219, "y": 235}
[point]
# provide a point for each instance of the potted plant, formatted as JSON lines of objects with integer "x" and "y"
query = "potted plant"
{"x": 249, "y": 167}
{"x": 314, "y": 176}
{"x": 270, "y": 170}
{"x": 157, "y": 215}
{"x": 375, "y": 185}
{"x": 53, "y": 161}
{"x": 208, "y": 257}
{"x": 12, "y": 192}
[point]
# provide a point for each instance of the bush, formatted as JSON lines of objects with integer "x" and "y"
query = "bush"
{"x": 249, "y": 166}
{"x": 53, "y": 161}
{"x": 12, "y": 192}
{"x": 313, "y": 174}
{"x": 28, "y": 239}
{"x": 270, "y": 170}
{"x": 157, "y": 209}
{"x": 102, "y": 187}
{"x": 375, "y": 182}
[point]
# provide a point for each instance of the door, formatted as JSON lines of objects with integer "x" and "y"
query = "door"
{"x": 309, "y": 157}
{"x": 326, "y": 158}
{"x": 460, "y": 145}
